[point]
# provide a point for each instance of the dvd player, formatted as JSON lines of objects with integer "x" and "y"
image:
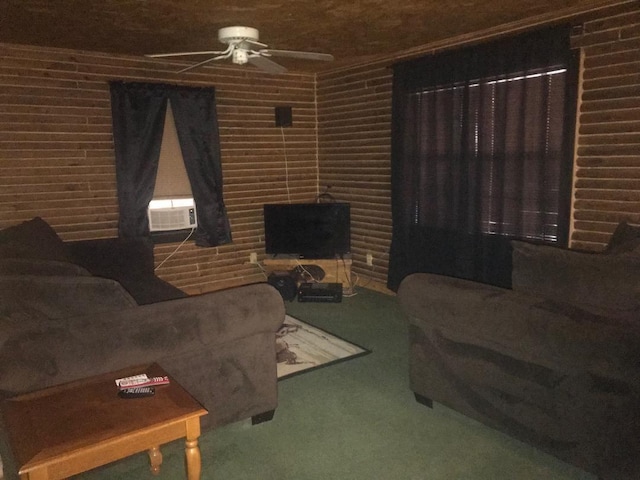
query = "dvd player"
{"x": 320, "y": 292}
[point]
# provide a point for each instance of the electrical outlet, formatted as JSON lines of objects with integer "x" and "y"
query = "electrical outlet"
{"x": 253, "y": 257}
{"x": 370, "y": 259}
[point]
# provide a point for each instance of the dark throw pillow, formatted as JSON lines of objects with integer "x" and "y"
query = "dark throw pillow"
{"x": 625, "y": 239}
{"x": 34, "y": 239}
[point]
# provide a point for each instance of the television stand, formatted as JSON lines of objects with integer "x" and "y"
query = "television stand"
{"x": 336, "y": 270}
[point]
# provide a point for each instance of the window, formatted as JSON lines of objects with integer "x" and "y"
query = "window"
{"x": 172, "y": 208}
{"x": 172, "y": 180}
{"x": 482, "y": 154}
{"x": 139, "y": 113}
{"x": 514, "y": 143}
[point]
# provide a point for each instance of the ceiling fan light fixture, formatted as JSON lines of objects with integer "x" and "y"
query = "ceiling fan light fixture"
{"x": 240, "y": 57}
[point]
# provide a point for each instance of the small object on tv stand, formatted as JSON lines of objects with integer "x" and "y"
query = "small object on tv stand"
{"x": 335, "y": 270}
{"x": 320, "y": 292}
{"x": 285, "y": 284}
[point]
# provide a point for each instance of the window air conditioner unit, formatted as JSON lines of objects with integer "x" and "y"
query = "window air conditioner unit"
{"x": 172, "y": 214}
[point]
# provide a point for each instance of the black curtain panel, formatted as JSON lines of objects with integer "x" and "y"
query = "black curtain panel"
{"x": 196, "y": 121}
{"x": 138, "y": 111}
{"x": 481, "y": 154}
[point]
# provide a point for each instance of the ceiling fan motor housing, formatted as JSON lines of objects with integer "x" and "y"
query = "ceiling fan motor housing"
{"x": 238, "y": 34}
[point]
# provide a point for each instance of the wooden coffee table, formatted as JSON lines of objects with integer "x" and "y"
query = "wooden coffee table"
{"x": 68, "y": 429}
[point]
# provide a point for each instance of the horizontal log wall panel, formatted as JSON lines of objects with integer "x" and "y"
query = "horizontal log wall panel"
{"x": 607, "y": 172}
{"x": 57, "y": 159}
{"x": 354, "y": 131}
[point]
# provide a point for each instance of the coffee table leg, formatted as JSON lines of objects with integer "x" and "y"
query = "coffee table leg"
{"x": 155, "y": 457}
{"x": 192, "y": 454}
{"x": 191, "y": 450}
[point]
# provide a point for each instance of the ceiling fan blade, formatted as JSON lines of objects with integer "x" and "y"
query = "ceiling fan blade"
{"x": 294, "y": 54}
{"x": 182, "y": 54}
{"x": 252, "y": 42}
{"x": 191, "y": 67}
{"x": 265, "y": 64}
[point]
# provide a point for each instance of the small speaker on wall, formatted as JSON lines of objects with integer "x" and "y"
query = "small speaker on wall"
{"x": 283, "y": 117}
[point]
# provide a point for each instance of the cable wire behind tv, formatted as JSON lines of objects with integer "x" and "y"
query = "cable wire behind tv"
{"x": 286, "y": 165}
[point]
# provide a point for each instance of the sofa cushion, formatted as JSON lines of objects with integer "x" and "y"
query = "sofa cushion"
{"x": 32, "y": 239}
{"x": 114, "y": 258}
{"x": 532, "y": 329}
{"x": 129, "y": 261}
{"x": 58, "y": 297}
{"x": 146, "y": 289}
{"x": 31, "y": 266}
{"x": 596, "y": 282}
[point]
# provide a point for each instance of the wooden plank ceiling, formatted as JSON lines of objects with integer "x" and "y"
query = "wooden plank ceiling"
{"x": 352, "y": 31}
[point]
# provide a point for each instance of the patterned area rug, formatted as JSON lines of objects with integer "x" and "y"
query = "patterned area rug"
{"x": 301, "y": 348}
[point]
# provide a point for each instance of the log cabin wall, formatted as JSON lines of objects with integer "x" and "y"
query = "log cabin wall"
{"x": 354, "y": 132}
{"x": 57, "y": 157}
{"x": 607, "y": 169}
{"x": 56, "y": 150}
{"x": 354, "y": 124}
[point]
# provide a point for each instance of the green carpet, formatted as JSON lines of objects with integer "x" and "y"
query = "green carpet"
{"x": 355, "y": 420}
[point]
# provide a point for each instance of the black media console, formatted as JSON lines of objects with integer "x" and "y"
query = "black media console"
{"x": 320, "y": 292}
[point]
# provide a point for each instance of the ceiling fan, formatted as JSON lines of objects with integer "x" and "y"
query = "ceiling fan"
{"x": 244, "y": 47}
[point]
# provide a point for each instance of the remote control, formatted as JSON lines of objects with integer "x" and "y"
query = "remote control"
{"x": 127, "y": 382}
{"x": 137, "y": 392}
{"x": 141, "y": 380}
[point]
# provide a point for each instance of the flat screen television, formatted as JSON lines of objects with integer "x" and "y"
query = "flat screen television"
{"x": 307, "y": 230}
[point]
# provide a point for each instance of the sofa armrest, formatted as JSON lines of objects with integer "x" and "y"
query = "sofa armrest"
{"x": 557, "y": 335}
{"x": 203, "y": 320}
{"x": 66, "y": 349}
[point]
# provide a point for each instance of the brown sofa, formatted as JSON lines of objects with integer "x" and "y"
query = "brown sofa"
{"x": 69, "y": 311}
{"x": 554, "y": 362}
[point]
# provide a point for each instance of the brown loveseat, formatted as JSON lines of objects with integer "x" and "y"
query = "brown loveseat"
{"x": 554, "y": 362}
{"x": 72, "y": 310}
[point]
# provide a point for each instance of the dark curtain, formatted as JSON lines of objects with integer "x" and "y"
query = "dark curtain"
{"x": 139, "y": 111}
{"x": 481, "y": 154}
{"x": 194, "y": 112}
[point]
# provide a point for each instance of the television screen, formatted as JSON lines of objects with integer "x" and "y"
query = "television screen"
{"x": 307, "y": 230}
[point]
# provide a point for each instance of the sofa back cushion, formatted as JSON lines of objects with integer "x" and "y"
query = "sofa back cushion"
{"x": 31, "y": 297}
{"x": 114, "y": 258}
{"x": 597, "y": 282}
{"x": 32, "y": 266}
